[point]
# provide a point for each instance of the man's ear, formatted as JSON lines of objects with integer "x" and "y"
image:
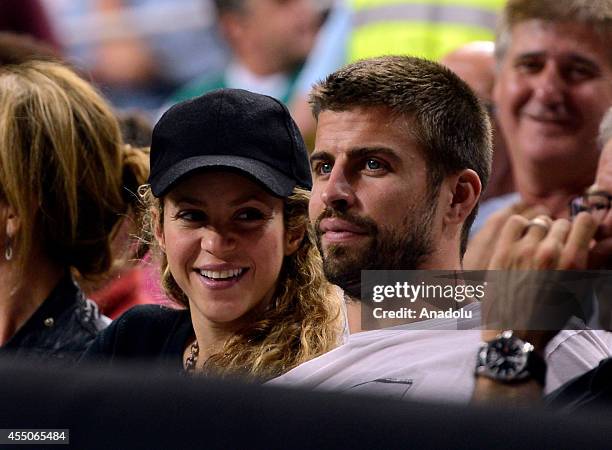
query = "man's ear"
{"x": 464, "y": 188}
{"x": 293, "y": 239}
{"x": 158, "y": 229}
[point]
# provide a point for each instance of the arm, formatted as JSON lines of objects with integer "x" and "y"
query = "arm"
{"x": 491, "y": 392}
{"x": 525, "y": 248}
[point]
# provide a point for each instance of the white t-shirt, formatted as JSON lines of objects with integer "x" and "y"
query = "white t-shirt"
{"x": 431, "y": 361}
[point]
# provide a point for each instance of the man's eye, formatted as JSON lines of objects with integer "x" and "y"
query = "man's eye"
{"x": 373, "y": 164}
{"x": 579, "y": 73}
{"x": 597, "y": 206}
{"x": 323, "y": 168}
{"x": 528, "y": 66}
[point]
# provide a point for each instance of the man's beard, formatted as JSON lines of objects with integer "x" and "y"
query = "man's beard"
{"x": 402, "y": 249}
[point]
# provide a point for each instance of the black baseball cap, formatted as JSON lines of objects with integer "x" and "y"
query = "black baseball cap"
{"x": 234, "y": 129}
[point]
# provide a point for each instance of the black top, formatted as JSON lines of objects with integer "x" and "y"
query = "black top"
{"x": 592, "y": 390}
{"x": 145, "y": 333}
{"x": 60, "y": 330}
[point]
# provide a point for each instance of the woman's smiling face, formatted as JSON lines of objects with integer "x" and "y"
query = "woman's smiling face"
{"x": 224, "y": 238}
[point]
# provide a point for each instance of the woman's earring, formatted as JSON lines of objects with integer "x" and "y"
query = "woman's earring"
{"x": 8, "y": 249}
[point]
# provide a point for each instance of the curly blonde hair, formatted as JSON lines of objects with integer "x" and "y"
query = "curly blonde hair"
{"x": 302, "y": 321}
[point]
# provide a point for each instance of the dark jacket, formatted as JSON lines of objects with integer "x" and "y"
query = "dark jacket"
{"x": 146, "y": 334}
{"x": 60, "y": 330}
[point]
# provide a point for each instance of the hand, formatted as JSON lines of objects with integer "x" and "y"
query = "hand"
{"x": 526, "y": 293}
{"x": 479, "y": 250}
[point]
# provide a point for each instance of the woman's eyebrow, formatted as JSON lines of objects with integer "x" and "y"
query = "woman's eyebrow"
{"x": 248, "y": 197}
{"x": 188, "y": 199}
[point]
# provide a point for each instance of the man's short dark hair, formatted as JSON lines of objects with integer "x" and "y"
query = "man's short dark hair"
{"x": 446, "y": 118}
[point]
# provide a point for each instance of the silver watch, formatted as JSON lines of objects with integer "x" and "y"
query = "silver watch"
{"x": 509, "y": 359}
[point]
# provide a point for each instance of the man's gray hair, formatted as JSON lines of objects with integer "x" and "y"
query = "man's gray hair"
{"x": 595, "y": 13}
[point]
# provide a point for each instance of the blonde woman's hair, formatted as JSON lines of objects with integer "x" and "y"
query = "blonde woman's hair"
{"x": 302, "y": 321}
{"x": 63, "y": 166}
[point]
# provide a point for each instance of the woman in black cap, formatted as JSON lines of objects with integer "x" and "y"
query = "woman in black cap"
{"x": 228, "y": 201}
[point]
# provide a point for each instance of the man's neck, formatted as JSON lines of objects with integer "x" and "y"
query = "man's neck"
{"x": 356, "y": 309}
{"x": 353, "y": 314}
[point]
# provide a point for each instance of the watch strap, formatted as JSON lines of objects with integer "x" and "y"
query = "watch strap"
{"x": 536, "y": 367}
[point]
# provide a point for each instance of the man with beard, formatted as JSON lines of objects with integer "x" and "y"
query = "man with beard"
{"x": 402, "y": 152}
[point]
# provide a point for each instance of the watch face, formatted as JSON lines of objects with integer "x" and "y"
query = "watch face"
{"x": 506, "y": 358}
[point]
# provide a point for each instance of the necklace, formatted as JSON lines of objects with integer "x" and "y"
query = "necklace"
{"x": 192, "y": 359}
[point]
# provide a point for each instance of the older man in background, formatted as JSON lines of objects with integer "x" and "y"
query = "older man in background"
{"x": 551, "y": 92}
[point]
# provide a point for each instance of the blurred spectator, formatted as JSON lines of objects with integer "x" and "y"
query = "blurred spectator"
{"x": 269, "y": 41}
{"x": 597, "y": 199}
{"x": 135, "y": 129}
{"x": 64, "y": 175}
{"x": 125, "y": 286}
{"x": 140, "y": 51}
{"x": 475, "y": 64}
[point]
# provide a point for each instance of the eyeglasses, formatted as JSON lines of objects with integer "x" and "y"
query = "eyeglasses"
{"x": 596, "y": 203}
